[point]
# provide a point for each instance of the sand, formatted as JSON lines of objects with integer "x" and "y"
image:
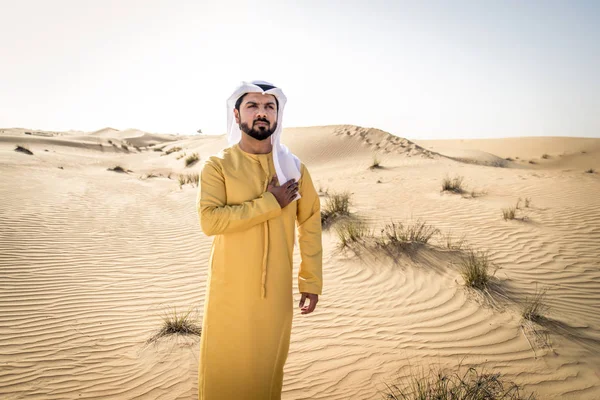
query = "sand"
{"x": 90, "y": 260}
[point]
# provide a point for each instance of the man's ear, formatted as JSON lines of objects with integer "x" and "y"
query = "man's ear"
{"x": 236, "y": 113}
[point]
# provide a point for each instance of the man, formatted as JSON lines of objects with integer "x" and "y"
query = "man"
{"x": 250, "y": 198}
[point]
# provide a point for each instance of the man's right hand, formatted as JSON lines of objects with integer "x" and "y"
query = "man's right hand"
{"x": 285, "y": 193}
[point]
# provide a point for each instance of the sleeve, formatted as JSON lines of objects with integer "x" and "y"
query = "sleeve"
{"x": 308, "y": 216}
{"x": 216, "y": 217}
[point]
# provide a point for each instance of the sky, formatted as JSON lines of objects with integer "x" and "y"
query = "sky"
{"x": 416, "y": 69}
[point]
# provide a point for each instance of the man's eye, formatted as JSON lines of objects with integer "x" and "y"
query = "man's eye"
{"x": 251, "y": 105}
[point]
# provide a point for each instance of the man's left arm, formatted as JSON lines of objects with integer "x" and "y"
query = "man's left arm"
{"x": 308, "y": 214}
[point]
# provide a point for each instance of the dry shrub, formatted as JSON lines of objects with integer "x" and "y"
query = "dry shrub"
{"x": 191, "y": 160}
{"x": 336, "y": 205}
{"x": 509, "y": 213}
{"x": 454, "y": 185}
{"x": 376, "y": 164}
{"x": 395, "y": 237}
{"x": 441, "y": 385}
{"x": 192, "y": 179}
{"x": 475, "y": 269}
{"x": 534, "y": 308}
{"x": 177, "y": 324}
{"x": 396, "y": 234}
{"x": 453, "y": 244}
{"x": 352, "y": 232}
{"x": 173, "y": 150}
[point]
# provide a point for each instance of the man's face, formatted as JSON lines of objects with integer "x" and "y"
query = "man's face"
{"x": 257, "y": 116}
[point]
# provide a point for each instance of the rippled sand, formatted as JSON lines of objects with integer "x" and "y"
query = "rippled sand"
{"x": 90, "y": 259}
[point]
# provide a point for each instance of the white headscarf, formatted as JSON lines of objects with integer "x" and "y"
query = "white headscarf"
{"x": 287, "y": 165}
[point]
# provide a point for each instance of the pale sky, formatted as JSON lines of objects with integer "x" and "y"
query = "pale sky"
{"x": 420, "y": 69}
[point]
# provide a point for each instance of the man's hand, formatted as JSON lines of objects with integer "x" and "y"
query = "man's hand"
{"x": 313, "y": 298}
{"x": 284, "y": 193}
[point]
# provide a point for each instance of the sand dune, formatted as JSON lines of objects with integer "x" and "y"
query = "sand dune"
{"x": 91, "y": 258}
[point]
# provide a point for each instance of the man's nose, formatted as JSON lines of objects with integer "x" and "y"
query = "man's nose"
{"x": 261, "y": 112}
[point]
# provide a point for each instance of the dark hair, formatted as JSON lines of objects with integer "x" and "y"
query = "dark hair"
{"x": 238, "y": 103}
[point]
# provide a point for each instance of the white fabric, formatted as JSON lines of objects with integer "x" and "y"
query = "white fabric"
{"x": 287, "y": 165}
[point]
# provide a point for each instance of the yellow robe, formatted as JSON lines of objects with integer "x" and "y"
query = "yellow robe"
{"x": 248, "y": 308}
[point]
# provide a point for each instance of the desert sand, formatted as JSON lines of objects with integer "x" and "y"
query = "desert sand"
{"x": 90, "y": 259}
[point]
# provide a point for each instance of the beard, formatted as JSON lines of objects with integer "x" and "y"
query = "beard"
{"x": 258, "y": 132}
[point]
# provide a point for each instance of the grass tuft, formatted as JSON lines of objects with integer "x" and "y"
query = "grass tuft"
{"x": 173, "y": 150}
{"x": 535, "y": 307}
{"x": 396, "y": 234}
{"x": 454, "y": 185}
{"x": 545, "y": 156}
{"x": 475, "y": 270}
{"x": 24, "y": 150}
{"x": 351, "y": 232}
{"x": 124, "y": 147}
{"x": 590, "y": 171}
{"x": 192, "y": 179}
{"x": 191, "y": 160}
{"x": 177, "y": 324}
{"x": 336, "y": 205}
{"x": 453, "y": 244}
{"x": 441, "y": 385}
{"x": 376, "y": 164}
{"x": 509, "y": 213}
